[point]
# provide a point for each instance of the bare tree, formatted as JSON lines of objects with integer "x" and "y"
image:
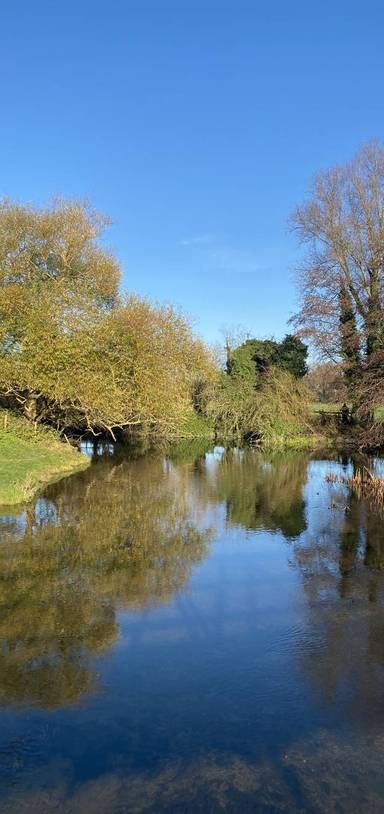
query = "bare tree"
{"x": 326, "y": 383}
{"x": 342, "y": 226}
{"x": 233, "y": 335}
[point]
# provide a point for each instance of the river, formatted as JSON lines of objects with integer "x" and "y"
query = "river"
{"x": 193, "y": 630}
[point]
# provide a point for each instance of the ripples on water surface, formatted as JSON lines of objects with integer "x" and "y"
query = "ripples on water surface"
{"x": 193, "y": 632}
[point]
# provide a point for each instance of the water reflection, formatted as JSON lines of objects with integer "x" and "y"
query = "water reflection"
{"x": 340, "y": 560}
{"x": 218, "y": 613}
{"x": 262, "y": 493}
{"x": 120, "y": 534}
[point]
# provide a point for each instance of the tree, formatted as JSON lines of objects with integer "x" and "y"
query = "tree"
{"x": 276, "y": 411}
{"x": 255, "y": 357}
{"x": 265, "y": 353}
{"x": 326, "y": 382}
{"x": 252, "y": 357}
{"x": 56, "y": 283}
{"x": 342, "y": 226}
{"x": 74, "y": 352}
{"x": 40, "y": 247}
{"x": 234, "y": 336}
{"x": 349, "y": 340}
{"x": 132, "y": 367}
{"x": 292, "y": 355}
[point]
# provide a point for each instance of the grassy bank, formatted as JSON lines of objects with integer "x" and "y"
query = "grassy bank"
{"x": 30, "y": 458}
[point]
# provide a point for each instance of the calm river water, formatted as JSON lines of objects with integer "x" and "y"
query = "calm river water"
{"x": 193, "y": 631}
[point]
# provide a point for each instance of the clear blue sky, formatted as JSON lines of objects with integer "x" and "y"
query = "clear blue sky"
{"x": 196, "y": 124}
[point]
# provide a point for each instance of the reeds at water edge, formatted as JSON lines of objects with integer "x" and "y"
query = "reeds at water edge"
{"x": 363, "y": 484}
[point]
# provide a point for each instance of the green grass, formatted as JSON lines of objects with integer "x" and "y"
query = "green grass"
{"x": 29, "y": 459}
{"x": 195, "y": 426}
{"x": 320, "y": 407}
{"x": 296, "y": 442}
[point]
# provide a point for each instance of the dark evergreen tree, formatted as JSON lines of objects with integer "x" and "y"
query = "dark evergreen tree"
{"x": 374, "y": 318}
{"x": 255, "y": 356}
{"x": 350, "y": 340}
{"x": 292, "y": 356}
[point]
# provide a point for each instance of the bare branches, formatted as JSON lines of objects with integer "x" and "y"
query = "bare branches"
{"x": 342, "y": 227}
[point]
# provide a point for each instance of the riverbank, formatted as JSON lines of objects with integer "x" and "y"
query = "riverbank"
{"x": 29, "y": 459}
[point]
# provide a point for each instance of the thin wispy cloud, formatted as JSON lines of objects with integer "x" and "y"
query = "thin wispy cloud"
{"x": 223, "y": 258}
{"x": 235, "y": 261}
{"x": 197, "y": 240}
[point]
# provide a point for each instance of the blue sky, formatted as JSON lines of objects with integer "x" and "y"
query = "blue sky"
{"x": 196, "y": 125}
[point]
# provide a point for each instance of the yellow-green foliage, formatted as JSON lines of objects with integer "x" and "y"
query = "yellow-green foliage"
{"x": 274, "y": 413}
{"x": 76, "y": 353}
{"x": 31, "y": 457}
{"x": 73, "y": 351}
{"x": 195, "y": 426}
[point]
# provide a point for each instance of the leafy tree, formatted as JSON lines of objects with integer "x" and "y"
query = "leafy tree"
{"x": 265, "y": 354}
{"x": 255, "y": 356}
{"x": 292, "y": 355}
{"x": 242, "y": 361}
{"x": 73, "y": 351}
{"x": 251, "y": 358}
{"x": 273, "y": 413}
{"x": 51, "y": 251}
{"x": 56, "y": 282}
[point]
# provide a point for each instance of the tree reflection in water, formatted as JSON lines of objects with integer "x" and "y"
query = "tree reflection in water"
{"x": 121, "y": 534}
{"x": 341, "y": 560}
{"x": 262, "y": 492}
{"x": 294, "y": 675}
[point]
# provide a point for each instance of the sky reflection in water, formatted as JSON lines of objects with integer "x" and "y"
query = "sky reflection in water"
{"x": 193, "y": 631}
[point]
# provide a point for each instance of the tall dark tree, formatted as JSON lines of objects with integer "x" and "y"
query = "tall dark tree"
{"x": 292, "y": 356}
{"x": 255, "y": 357}
{"x": 375, "y": 317}
{"x": 349, "y": 340}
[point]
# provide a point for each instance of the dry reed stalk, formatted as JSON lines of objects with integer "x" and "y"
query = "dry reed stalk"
{"x": 363, "y": 484}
